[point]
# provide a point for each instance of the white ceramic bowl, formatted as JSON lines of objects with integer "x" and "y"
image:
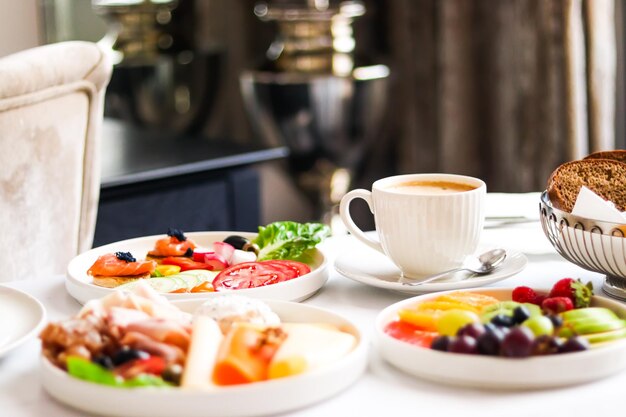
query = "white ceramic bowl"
{"x": 261, "y": 398}
{"x": 80, "y": 285}
{"x": 21, "y": 317}
{"x": 591, "y": 244}
{"x": 495, "y": 372}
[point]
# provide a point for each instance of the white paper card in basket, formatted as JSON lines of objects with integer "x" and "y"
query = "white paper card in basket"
{"x": 591, "y": 206}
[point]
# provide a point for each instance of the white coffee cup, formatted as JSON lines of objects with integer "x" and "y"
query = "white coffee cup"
{"x": 426, "y": 223}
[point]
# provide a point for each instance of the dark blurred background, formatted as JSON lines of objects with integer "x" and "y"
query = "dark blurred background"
{"x": 502, "y": 90}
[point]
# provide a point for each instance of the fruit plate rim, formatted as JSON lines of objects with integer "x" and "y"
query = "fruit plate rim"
{"x": 477, "y": 371}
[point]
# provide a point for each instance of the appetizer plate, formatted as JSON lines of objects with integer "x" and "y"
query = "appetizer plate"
{"x": 370, "y": 267}
{"x": 255, "y": 399}
{"x": 23, "y": 316}
{"x": 80, "y": 285}
{"x": 500, "y": 373}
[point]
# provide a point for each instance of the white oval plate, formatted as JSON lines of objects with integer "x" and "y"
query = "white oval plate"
{"x": 22, "y": 317}
{"x": 80, "y": 285}
{"x": 370, "y": 267}
{"x": 500, "y": 373}
{"x": 255, "y": 399}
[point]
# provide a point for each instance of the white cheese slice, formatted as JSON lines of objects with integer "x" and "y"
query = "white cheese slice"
{"x": 206, "y": 338}
{"x": 307, "y": 347}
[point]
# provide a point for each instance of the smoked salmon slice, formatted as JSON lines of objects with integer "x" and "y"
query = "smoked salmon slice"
{"x": 175, "y": 244}
{"x": 120, "y": 264}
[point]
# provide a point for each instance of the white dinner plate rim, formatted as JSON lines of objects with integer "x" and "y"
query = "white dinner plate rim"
{"x": 496, "y": 372}
{"x": 34, "y": 307}
{"x": 515, "y": 263}
{"x": 78, "y": 285}
{"x": 61, "y": 385}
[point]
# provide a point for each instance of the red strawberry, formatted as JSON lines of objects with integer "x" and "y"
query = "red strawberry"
{"x": 556, "y": 305}
{"x": 579, "y": 293}
{"x": 524, "y": 295}
{"x": 539, "y": 299}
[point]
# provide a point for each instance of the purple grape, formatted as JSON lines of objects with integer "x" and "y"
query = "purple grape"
{"x": 463, "y": 344}
{"x": 546, "y": 345}
{"x": 441, "y": 343}
{"x": 518, "y": 343}
{"x": 474, "y": 330}
{"x": 489, "y": 342}
{"x": 574, "y": 344}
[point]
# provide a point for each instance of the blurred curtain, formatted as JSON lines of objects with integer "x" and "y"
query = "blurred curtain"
{"x": 503, "y": 90}
{"x": 500, "y": 89}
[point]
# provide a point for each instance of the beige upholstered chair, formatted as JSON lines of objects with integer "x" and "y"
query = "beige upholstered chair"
{"x": 51, "y": 100}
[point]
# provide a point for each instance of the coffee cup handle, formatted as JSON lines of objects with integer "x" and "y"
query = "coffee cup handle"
{"x": 344, "y": 213}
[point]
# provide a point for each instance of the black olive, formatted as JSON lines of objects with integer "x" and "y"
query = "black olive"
{"x": 242, "y": 243}
{"x": 173, "y": 373}
{"x": 126, "y": 354}
{"x": 104, "y": 361}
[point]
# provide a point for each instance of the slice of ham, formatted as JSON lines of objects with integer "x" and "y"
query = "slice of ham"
{"x": 142, "y": 298}
{"x": 140, "y": 341}
{"x": 166, "y": 331}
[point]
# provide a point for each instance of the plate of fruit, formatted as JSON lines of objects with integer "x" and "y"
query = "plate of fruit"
{"x": 506, "y": 338}
{"x": 280, "y": 262}
{"x": 136, "y": 354}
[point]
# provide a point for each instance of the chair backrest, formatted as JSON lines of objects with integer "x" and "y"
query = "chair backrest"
{"x": 51, "y": 107}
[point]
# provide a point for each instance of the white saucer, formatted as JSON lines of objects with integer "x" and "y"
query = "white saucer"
{"x": 362, "y": 264}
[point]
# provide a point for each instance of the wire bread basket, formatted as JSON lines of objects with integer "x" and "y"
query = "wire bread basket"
{"x": 591, "y": 244}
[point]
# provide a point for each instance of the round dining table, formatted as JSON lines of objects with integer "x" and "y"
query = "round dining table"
{"x": 382, "y": 390}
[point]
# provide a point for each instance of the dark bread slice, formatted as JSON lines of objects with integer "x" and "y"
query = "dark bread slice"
{"x": 616, "y": 155}
{"x": 605, "y": 177}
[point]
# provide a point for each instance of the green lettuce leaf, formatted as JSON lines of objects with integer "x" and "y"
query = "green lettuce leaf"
{"x": 290, "y": 240}
{"x": 88, "y": 371}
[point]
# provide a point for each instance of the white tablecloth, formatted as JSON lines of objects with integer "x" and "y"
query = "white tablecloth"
{"x": 382, "y": 390}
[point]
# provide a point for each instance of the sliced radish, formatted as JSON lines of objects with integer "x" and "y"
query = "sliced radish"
{"x": 215, "y": 260}
{"x": 198, "y": 254}
{"x": 225, "y": 250}
{"x": 241, "y": 256}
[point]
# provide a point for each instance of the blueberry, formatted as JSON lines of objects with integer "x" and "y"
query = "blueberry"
{"x": 557, "y": 321}
{"x": 521, "y": 314}
{"x": 503, "y": 320}
{"x": 127, "y": 354}
{"x": 104, "y": 361}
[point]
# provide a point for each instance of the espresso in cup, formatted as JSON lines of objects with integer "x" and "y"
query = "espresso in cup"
{"x": 426, "y": 223}
{"x": 431, "y": 187}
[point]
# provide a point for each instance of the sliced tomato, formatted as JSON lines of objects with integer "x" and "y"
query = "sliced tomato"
{"x": 250, "y": 275}
{"x": 299, "y": 267}
{"x": 285, "y": 269}
{"x": 185, "y": 264}
{"x": 410, "y": 333}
